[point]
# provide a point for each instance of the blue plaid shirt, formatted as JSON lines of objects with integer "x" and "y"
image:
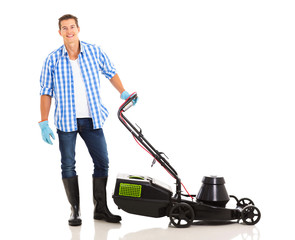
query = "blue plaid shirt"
{"x": 57, "y": 81}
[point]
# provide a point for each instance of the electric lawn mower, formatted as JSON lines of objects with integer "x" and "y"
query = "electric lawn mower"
{"x": 147, "y": 196}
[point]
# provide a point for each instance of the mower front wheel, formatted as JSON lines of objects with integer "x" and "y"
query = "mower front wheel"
{"x": 182, "y": 215}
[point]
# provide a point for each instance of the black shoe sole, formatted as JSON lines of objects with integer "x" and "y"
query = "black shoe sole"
{"x": 75, "y": 223}
{"x": 110, "y": 220}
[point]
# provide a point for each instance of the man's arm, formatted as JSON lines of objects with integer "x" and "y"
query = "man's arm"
{"x": 45, "y": 103}
{"x": 116, "y": 82}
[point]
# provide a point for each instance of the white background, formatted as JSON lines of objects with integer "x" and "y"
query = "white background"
{"x": 215, "y": 81}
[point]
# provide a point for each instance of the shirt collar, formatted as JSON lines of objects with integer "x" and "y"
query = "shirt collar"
{"x": 64, "y": 50}
{"x": 82, "y": 48}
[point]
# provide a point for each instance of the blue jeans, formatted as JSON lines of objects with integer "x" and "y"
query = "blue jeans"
{"x": 95, "y": 142}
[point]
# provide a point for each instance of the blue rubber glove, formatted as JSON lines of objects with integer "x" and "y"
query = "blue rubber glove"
{"x": 46, "y": 132}
{"x": 126, "y": 95}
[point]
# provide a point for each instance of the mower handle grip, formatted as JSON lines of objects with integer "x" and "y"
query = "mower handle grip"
{"x": 128, "y": 103}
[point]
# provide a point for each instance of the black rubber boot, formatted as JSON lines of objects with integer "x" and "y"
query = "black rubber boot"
{"x": 101, "y": 211}
{"x": 72, "y": 191}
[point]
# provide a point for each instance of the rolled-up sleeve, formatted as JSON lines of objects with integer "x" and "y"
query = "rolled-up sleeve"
{"x": 106, "y": 66}
{"x": 46, "y": 78}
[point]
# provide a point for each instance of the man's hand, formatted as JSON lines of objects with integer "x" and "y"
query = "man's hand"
{"x": 46, "y": 132}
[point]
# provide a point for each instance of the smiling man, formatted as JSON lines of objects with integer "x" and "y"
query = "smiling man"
{"x": 70, "y": 74}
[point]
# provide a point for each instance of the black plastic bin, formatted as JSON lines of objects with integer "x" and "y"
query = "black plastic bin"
{"x": 142, "y": 195}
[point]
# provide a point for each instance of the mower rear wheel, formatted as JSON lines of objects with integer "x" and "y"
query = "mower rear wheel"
{"x": 251, "y": 215}
{"x": 243, "y": 202}
{"x": 182, "y": 215}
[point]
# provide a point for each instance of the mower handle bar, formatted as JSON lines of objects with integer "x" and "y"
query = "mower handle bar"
{"x": 139, "y": 136}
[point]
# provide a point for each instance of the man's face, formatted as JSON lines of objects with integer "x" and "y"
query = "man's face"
{"x": 69, "y": 31}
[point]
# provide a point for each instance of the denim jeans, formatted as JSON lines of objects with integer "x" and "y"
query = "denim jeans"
{"x": 95, "y": 142}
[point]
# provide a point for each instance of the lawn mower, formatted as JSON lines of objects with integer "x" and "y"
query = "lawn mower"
{"x": 146, "y": 196}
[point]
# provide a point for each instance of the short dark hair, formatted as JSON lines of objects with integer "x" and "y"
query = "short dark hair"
{"x": 66, "y": 17}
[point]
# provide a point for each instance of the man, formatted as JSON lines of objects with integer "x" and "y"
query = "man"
{"x": 70, "y": 74}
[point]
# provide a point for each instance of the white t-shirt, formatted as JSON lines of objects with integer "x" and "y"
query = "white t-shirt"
{"x": 81, "y": 102}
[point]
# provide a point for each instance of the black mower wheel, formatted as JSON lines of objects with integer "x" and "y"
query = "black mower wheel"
{"x": 243, "y": 202}
{"x": 251, "y": 215}
{"x": 182, "y": 215}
